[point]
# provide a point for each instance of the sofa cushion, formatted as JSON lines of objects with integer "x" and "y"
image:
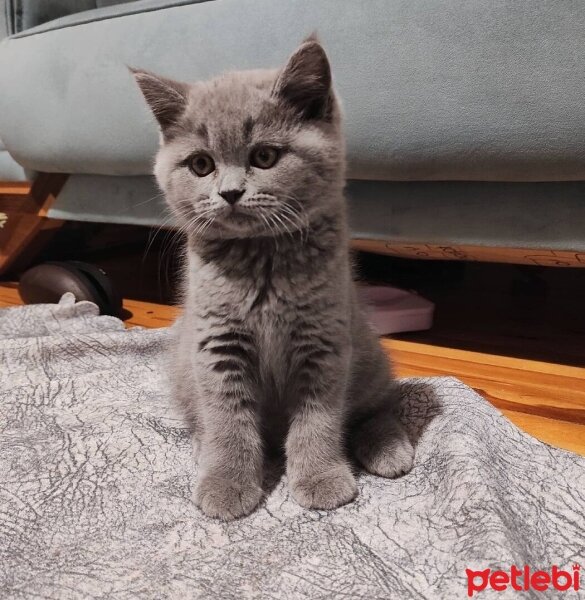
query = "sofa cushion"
{"x": 460, "y": 89}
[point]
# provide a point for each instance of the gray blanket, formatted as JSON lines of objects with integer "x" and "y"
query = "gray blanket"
{"x": 96, "y": 478}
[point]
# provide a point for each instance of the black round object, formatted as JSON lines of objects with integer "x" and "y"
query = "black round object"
{"x": 46, "y": 283}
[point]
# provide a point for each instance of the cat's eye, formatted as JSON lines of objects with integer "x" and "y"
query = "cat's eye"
{"x": 201, "y": 164}
{"x": 264, "y": 157}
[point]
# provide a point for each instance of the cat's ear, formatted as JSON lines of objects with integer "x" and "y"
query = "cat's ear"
{"x": 305, "y": 81}
{"x": 166, "y": 98}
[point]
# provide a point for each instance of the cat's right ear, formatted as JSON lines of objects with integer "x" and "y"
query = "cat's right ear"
{"x": 166, "y": 98}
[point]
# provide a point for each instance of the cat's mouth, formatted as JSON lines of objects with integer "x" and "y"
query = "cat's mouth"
{"x": 254, "y": 218}
{"x": 237, "y": 214}
{"x": 236, "y": 218}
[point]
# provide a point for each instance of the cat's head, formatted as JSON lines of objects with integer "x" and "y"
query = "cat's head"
{"x": 250, "y": 153}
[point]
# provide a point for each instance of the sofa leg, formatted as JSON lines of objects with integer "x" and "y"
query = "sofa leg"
{"x": 24, "y": 226}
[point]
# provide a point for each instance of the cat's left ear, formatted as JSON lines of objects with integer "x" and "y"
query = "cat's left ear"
{"x": 166, "y": 98}
{"x": 305, "y": 81}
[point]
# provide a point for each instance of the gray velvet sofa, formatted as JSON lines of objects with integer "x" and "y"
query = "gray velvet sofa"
{"x": 465, "y": 119}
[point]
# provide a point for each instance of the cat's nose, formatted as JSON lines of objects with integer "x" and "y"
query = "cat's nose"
{"x": 232, "y": 196}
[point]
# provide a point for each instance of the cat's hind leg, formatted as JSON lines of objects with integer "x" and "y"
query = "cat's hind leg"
{"x": 380, "y": 444}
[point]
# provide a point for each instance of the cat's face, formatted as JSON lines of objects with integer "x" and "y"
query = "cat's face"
{"x": 251, "y": 153}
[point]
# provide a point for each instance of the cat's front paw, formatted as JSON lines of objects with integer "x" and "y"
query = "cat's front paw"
{"x": 326, "y": 490}
{"x": 226, "y": 499}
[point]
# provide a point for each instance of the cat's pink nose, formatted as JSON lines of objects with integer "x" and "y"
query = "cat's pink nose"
{"x": 232, "y": 196}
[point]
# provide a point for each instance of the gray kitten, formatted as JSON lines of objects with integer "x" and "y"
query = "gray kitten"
{"x": 273, "y": 350}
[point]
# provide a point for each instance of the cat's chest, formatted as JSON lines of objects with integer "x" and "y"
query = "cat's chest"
{"x": 278, "y": 309}
{"x": 270, "y": 301}
{"x": 274, "y": 317}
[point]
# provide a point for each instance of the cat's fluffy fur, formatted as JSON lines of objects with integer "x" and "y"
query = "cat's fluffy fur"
{"x": 273, "y": 350}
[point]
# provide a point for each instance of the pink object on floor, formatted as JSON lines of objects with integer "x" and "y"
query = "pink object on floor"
{"x": 392, "y": 310}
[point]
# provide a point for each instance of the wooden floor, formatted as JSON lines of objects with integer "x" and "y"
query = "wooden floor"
{"x": 545, "y": 399}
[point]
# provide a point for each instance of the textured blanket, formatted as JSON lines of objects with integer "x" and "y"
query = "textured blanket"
{"x": 96, "y": 478}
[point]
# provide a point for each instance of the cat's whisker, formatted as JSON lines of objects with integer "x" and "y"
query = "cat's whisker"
{"x": 166, "y": 255}
{"x": 301, "y": 218}
{"x": 152, "y": 237}
{"x": 264, "y": 220}
{"x": 155, "y": 197}
{"x": 167, "y": 242}
{"x": 293, "y": 199}
{"x": 207, "y": 225}
{"x": 294, "y": 224}
{"x": 201, "y": 222}
{"x": 286, "y": 230}
{"x": 172, "y": 238}
{"x": 273, "y": 232}
{"x": 298, "y": 205}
